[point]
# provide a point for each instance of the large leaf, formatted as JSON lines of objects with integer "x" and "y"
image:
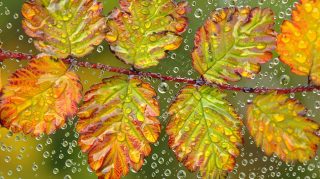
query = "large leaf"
{"x": 232, "y": 43}
{"x": 279, "y": 125}
{"x": 65, "y": 27}
{"x": 40, "y": 96}
{"x": 298, "y": 44}
{"x": 117, "y": 122}
{"x": 142, "y": 31}
{"x": 204, "y": 131}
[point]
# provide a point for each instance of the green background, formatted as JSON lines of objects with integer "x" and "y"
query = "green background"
{"x": 57, "y": 155}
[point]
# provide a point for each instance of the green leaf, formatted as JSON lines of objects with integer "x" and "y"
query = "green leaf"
{"x": 279, "y": 125}
{"x": 232, "y": 43}
{"x": 118, "y": 121}
{"x": 141, "y": 32}
{"x": 63, "y": 28}
{"x": 204, "y": 131}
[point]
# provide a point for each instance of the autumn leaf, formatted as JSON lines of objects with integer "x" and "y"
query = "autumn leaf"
{"x": 117, "y": 123}
{"x": 279, "y": 125}
{"x": 298, "y": 45}
{"x": 204, "y": 131}
{"x": 232, "y": 43}
{"x": 63, "y": 28}
{"x": 40, "y": 96}
{"x": 141, "y": 32}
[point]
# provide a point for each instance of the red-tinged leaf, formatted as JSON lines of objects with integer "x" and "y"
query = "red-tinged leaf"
{"x": 141, "y": 32}
{"x": 63, "y": 28}
{"x": 233, "y": 43}
{"x": 39, "y": 97}
{"x": 298, "y": 44}
{"x": 279, "y": 125}
{"x": 117, "y": 123}
{"x": 204, "y": 131}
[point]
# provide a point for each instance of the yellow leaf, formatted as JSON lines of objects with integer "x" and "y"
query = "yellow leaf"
{"x": 141, "y": 32}
{"x": 279, "y": 125}
{"x": 204, "y": 131}
{"x": 40, "y": 96}
{"x": 299, "y": 44}
{"x": 233, "y": 43}
{"x": 117, "y": 123}
{"x": 63, "y": 28}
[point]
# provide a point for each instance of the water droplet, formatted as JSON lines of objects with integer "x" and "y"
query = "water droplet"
{"x": 198, "y": 13}
{"x": 167, "y": 172}
{"x": 39, "y": 147}
{"x": 317, "y": 105}
{"x": 9, "y": 25}
{"x": 175, "y": 69}
{"x": 181, "y": 174}
{"x": 99, "y": 48}
{"x": 163, "y": 87}
{"x": 34, "y": 167}
{"x": 284, "y": 80}
{"x": 55, "y": 171}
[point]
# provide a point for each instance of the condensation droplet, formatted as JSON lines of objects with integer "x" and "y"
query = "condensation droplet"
{"x": 163, "y": 87}
{"x": 284, "y": 80}
{"x": 198, "y": 13}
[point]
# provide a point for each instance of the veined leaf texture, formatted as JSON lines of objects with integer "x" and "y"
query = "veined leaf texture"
{"x": 119, "y": 119}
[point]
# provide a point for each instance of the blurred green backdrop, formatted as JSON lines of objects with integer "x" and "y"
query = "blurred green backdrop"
{"x": 57, "y": 155}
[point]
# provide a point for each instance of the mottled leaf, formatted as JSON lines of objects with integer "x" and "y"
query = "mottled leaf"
{"x": 232, "y": 43}
{"x": 65, "y": 27}
{"x": 141, "y": 31}
{"x": 40, "y": 96}
{"x": 204, "y": 131}
{"x": 298, "y": 44}
{"x": 279, "y": 125}
{"x": 118, "y": 121}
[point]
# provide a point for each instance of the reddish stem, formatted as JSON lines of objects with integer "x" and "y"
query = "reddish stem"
{"x": 23, "y": 56}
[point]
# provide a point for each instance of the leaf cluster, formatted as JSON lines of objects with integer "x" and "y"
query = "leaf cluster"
{"x": 118, "y": 119}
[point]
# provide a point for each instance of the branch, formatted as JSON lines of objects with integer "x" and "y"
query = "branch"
{"x": 23, "y": 56}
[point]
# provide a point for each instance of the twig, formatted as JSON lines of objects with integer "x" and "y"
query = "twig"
{"x": 23, "y": 56}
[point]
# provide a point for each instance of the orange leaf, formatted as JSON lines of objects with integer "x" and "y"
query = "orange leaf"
{"x": 204, "y": 131}
{"x": 40, "y": 96}
{"x": 299, "y": 44}
{"x": 117, "y": 123}
{"x": 279, "y": 125}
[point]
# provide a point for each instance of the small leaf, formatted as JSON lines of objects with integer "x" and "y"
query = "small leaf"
{"x": 204, "y": 131}
{"x": 40, "y": 96}
{"x": 298, "y": 44}
{"x": 232, "y": 43}
{"x": 118, "y": 121}
{"x": 279, "y": 125}
{"x": 63, "y": 28}
{"x": 142, "y": 31}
